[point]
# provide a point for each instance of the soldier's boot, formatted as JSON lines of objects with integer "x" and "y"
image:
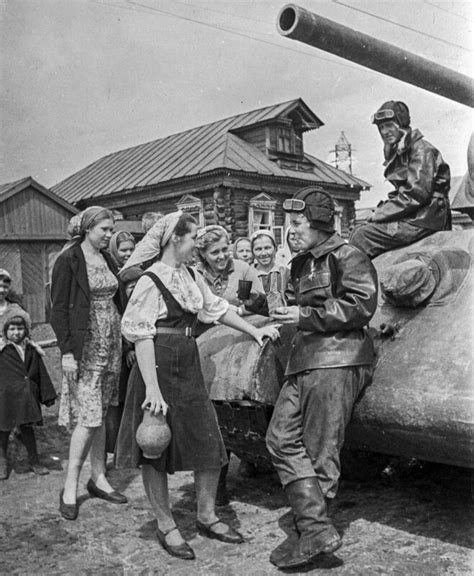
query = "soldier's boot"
{"x": 286, "y": 546}
{"x": 317, "y": 534}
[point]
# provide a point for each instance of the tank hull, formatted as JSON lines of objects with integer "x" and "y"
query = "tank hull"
{"x": 420, "y": 403}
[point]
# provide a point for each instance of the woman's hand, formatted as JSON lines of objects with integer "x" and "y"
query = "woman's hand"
{"x": 266, "y": 332}
{"x": 130, "y": 358}
{"x": 287, "y": 314}
{"x": 154, "y": 401}
{"x": 69, "y": 367}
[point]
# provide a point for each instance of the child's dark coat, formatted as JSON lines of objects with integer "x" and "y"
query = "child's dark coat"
{"x": 24, "y": 385}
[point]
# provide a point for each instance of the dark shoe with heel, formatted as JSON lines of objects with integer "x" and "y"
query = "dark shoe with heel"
{"x": 114, "y": 496}
{"x": 68, "y": 511}
{"x": 231, "y": 536}
{"x": 183, "y": 551}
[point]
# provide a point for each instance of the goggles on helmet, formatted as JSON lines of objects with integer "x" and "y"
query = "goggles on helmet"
{"x": 294, "y": 205}
{"x": 383, "y": 115}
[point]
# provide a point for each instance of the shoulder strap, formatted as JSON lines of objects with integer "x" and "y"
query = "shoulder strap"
{"x": 161, "y": 287}
{"x": 191, "y": 271}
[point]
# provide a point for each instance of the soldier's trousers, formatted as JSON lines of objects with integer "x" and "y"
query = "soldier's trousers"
{"x": 306, "y": 432}
{"x": 375, "y": 238}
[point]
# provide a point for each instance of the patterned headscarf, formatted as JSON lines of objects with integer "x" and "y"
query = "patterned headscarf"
{"x": 154, "y": 240}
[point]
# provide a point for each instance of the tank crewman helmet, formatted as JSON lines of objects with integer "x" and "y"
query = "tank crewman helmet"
{"x": 392, "y": 111}
{"x": 316, "y": 204}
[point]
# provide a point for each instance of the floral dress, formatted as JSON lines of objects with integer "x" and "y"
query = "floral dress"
{"x": 85, "y": 401}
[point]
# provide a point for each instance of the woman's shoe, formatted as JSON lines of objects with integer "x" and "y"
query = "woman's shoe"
{"x": 231, "y": 536}
{"x": 183, "y": 551}
{"x": 68, "y": 511}
{"x": 39, "y": 469}
{"x": 3, "y": 469}
{"x": 113, "y": 496}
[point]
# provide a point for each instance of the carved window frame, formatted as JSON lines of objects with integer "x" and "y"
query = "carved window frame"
{"x": 192, "y": 205}
{"x": 265, "y": 204}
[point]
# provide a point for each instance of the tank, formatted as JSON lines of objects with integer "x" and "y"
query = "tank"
{"x": 420, "y": 403}
{"x": 300, "y": 24}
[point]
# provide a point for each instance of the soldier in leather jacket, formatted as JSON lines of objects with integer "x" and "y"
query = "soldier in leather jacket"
{"x": 419, "y": 205}
{"x": 330, "y": 362}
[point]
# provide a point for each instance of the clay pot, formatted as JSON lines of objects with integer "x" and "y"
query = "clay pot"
{"x": 153, "y": 435}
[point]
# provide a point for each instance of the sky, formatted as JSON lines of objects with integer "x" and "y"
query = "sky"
{"x": 85, "y": 78}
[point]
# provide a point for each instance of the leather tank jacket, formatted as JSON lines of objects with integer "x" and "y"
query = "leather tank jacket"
{"x": 335, "y": 286}
{"x": 421, "y": 179}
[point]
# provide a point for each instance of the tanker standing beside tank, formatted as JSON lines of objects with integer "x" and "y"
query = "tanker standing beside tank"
{"x": 330, "y": 363}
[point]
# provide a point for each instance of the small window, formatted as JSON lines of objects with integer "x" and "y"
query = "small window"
{"x": 262, "y": 219}
{"x": 261, "y": 213}
{"x": 278, "y": 234}
{"x": 284, "y": 140}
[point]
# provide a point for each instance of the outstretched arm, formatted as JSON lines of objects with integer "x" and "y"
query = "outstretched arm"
{"x": 230, "y": 318}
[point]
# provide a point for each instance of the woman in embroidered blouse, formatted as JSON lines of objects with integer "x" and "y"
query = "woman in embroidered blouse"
{"x": 221, "y": 273}
{"x": 159, "y": 319}
{"x": 85, "y": 318}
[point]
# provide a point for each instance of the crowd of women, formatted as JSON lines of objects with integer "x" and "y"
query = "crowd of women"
{"x": 126, "y": 318}
{"x": 119, "y": 311}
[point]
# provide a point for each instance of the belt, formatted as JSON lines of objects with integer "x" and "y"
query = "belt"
{"x": 185, "y": 330}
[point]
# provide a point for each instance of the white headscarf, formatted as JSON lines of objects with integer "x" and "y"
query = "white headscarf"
{"x": 154, "y": 240}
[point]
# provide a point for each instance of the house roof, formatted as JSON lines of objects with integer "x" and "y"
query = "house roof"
{"x": 9, "y": 189}
{"x": 195, "y": 152}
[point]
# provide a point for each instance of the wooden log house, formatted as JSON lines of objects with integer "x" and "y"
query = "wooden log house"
{"x": 234, "y": 172}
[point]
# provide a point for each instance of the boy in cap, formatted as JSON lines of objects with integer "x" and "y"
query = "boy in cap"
{"x": 419, "y": 205}
{"x": 330, "y": 362}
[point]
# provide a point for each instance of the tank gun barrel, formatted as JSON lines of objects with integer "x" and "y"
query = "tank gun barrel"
{"x": 300, "y": 24}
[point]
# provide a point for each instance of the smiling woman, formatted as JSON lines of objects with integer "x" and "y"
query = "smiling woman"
{"x": 221, "y": 272}
{"x": 274, "y": 277}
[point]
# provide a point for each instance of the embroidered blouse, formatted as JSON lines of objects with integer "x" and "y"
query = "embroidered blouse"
{"x": 147, "y": 305}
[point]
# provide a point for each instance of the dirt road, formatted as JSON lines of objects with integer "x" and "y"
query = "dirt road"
{"x": 418, "y": 522}
{"x": 415, "y": 522}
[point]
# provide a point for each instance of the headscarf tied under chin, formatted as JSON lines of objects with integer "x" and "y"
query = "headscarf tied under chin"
{"x": 79, "y": 223}
{"x": 154, "y": 240}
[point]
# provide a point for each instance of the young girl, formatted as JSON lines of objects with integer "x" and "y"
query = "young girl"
{"x": 24, "y": 385}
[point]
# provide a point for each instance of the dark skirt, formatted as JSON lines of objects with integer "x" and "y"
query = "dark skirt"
{"x": 196, "y": 442}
